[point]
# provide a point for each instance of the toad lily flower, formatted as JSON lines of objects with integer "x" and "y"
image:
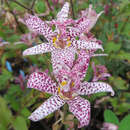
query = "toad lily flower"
{"x": 92, "y": 16}
{"x": 62, "y": 48}
{"x": 90, "y": 37}
{"x": 100, "y": 72}
{"x": 62, "y": 20}
{"x": 28, "y": 38}
{"x": 87, "y": 21}
{"x": 67, "y": 90}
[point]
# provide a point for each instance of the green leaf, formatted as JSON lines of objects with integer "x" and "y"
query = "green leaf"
{"x": 20, "y": 123}
{"x": 125, "y": 123}
{"x": 95, "y": 96}
{"x": 123, "y": 55}
{"x": 6, "y": 75}
{"x": 88, "y": 73}
{"x": 122, "y": 108}
{"x": 110, "y": 117}
{"x": 19, "y": 8}
{"x": 12, "y": 96}
{"x": 13, "y": 47}
{"x": 114, "y": 102}
{"x": 5, "y": 113}
{"x": 83, "y": 6}
{"x": 111, "y": 46}
{"x": 119, "y": 83}
{"x": 25, "y": 112}
{"x": 13, "y": 38}
{"x": 124, "y": 8}
{"x": 2, "y": 127}
{"x": 40, "y": 6}
{"x": 6, "y": 55}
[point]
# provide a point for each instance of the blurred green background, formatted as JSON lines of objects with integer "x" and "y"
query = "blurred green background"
{"x": 17, "y": 102}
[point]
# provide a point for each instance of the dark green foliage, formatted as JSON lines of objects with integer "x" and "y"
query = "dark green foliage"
{"x": 110, "y": 117}
{"x": 17, "y": 102}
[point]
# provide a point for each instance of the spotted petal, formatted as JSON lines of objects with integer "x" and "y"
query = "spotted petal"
{"x": 49, "y": 106}
{"x": 42, "y": 82}
{"x": 88, "y": 88}
{"x": 88, "y": 20}
{"x": 88, "y": 24}
{"x": 80, "y": 44}
{"x": 63, "y": 14}
{"x": 74, "y": 32}
{"x": 39, "y": 49}
{"x": 81, "y": 65}
{"x": 62, "y": 58}
{"x": 37, "y": 25}
{"x": 84, "y": 26}
{"x": 81, "y": 109}
{"x": 93, "y": 20}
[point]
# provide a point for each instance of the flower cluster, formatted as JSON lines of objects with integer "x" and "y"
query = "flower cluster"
{"x": 69, "y": 38}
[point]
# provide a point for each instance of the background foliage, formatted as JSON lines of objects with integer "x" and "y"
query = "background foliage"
{"x": 17, "y": 102}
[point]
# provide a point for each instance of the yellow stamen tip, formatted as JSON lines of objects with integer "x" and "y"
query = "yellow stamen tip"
{"x": 54, "y": 39}
{"x": 72, "y": 84}
{"x": 69, "y": 44}
{"x": 63, "y": 83}
{"x": 58, "y": 89}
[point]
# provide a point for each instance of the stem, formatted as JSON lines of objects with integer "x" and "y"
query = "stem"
{"x": 14, "y": 17}
{"x": 33, "y": 3}
{"x": 48, "y": 4}
{"x": 71, "y": 2}
{"x": 22, "y": 5}
{"x": 123, "y": 26}
{"x": 49, "y": 7}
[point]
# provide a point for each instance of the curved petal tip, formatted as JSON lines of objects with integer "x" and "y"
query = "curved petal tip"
{"x": 112, "y": 93}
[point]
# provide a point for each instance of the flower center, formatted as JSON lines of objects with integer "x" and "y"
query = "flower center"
{"x": 65, "y": 90}
{"x": 60, "y": 43}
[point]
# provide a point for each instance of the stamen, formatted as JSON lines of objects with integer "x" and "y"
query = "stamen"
{"x": 72, "y": 84}
{"x": 57, "y": 43}
{"x": 54, "y": 39}
{"x": 58, "y": 89}
{"x": 54, "y": 42}
{"x": 63, "y": 83}
{"x": 69, "y": 44}
{"x": 63, "y": 94}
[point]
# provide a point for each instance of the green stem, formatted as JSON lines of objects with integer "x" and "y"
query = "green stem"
{"x": 18, "y": 3}
{"x": 33, "y": 4}
{"x": 123, "y": 26}
{"x": 72, "y": 6}
{"x": 18, "y": 25}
